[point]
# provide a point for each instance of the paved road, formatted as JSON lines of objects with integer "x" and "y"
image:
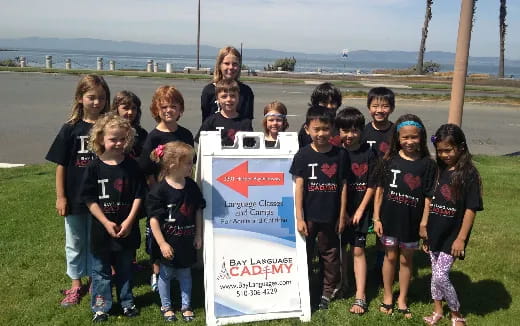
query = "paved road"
{"x": 33, "y": 107}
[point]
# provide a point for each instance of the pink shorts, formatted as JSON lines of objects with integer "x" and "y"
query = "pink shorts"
{"x": 388, "y": 241}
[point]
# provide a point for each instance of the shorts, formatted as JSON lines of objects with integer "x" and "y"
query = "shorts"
{"x": 353, "y": 238}
{"x": 152, "y": 248}
{"x": 388, "y": 241}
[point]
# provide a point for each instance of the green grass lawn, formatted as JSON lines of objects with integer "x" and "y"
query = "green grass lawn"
{"x": 33, "y": 264}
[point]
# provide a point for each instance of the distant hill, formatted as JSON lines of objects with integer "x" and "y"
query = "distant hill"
{"x": 90, "y": 44}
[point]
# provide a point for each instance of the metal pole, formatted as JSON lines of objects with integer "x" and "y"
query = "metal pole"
{"x": 460, "y": 68}
{"x": 198, "y": 37}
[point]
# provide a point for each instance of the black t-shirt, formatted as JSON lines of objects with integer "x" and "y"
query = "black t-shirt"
{"x": 180, "y": 233}
{"x": 377, "y": 139}
{"x": 304, "y": 139}
{"x": 406, "y": 184}
{"x": 114, "y": 188}
{"x": 447, "y": 212}
{"x": 323, "y": 175}
{"x": 208, "y": 101}
{"x": 70, "y": 150}
{"x": 156, "y": 138}
{"x": 231, "y": 127}
{"x": 362, "y": 176}
{"x": 140, "y": 138}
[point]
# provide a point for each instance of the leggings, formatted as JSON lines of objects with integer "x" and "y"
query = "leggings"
{"x": 441, "y": 286}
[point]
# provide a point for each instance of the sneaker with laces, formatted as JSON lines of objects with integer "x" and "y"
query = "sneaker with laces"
{"x": 130, "y": 311}
{"x": 324, "y": 303}
{"x": 72, "y": 297}
{"x": 99, "y": 316}
{"x": 154, "y": 282}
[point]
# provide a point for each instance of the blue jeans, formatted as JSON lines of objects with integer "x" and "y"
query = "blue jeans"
{"x": 102, "y": 280}
{"x": 183, "y": 275}
{"x": 77, "y": 245}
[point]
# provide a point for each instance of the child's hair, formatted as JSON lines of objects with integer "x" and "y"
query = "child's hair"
{"x": 86, "y": 84}
{"x": 168, "y": 94}
{"x": 316, "y": 112}
{"x": 228, "y": 86}
{"x": 382, "y": 94}
{"x": 130, "y": 100}
{"x": 326, "y": 93}
{"x": 395, "y": 146}
{"x": 464, "y": 167}
{"x": 350, "y": 118}
{"x": 105, "y": 122}
{"x": 169, "y": 154}
{"x": 217, "y": 74}
{"x": 280, "y": 110}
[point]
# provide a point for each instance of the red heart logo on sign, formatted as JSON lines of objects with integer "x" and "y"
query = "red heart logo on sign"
{"x": 412, "y": 181}
{"x": 359, "y": 169}
{"x": 329, "y": 170}
{"x": 383, "y": 147}
{"x": 446, "y": 192}
{"x": 118, "y": 185}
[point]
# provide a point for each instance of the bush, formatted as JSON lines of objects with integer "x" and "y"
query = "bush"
{"x": 284, "y": 64}
{"x": 10, "y": 62}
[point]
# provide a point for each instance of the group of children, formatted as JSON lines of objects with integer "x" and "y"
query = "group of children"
{"x": 348, "y": 176}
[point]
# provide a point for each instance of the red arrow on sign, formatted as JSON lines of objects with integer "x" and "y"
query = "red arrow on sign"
{"x": 239, "y": 179}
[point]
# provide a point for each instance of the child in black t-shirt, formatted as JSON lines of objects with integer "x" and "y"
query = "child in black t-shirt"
{"x": 361, "y": 187}
{"x": 453, "y": 208}
{"x": 113, "y": 189}
{"x": 128, "y": 105}
{"x": 275, "y": 121}
{"x": 321, "y": 196}
{"x": 174, "y": 206}
{"x": 328, "y": 96}
{"x": 69, "y": 151}
{"x": 227, "y": 119}
{"x": 167, "y": 107}
{"x": 406, "y": 180}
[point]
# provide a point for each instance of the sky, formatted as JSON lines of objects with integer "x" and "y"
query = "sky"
{"x": 317, "y": 26}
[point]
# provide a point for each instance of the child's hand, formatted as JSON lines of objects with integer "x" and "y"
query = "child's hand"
{"x": 378, "y": 228}
{"x": 457, "y": 248}
{"x": 197, "y": 242}
{"x": 425, "y": 247}
{"x": 302, "y": 227}
{"x": 112, "y": 229}
{"x": 126, "y": 228}
{"x": 167, "y": 251}
{"x": 61, "y": 206}
{"x": 423, "y": 233}
{"x": 357, "y": 217}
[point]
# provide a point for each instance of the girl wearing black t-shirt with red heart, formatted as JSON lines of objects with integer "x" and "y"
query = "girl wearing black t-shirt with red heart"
{"x": 406, "y": 180}
{"x": 446, "y": 229}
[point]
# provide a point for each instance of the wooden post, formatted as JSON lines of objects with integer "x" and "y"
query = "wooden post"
{"x": 48, "y": 62}
{"x": 149, "y": 65}
{"x": 23, "y": 62}
{"x": 99, "y": 63}
{"x": 156, "y": 67}
{"x": 68, "y": 64}
{"x": 112, "y": 65}
{"x": 198, "y": 37}
{"x": 169, "y": 68}
{"x": 460, "y": 68}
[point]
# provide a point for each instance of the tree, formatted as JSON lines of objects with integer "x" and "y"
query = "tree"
{"x": 422, "y": 48}
{"x": 283, "y": 64}
{"x": 502, "y": 29}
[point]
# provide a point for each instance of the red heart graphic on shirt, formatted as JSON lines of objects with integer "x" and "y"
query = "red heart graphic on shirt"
{"x": 119, "y": 184}
{"x": 383, "y": 147}
{"x": 335, "y": 140}
{"x": 446, "y": 192}
{"x": 359, "y": 169}
{"x": 231, "y": 134}
{"x": 186, "y": 210}
{"x": 412, "y": 181}
{"x": 329, "y": 170}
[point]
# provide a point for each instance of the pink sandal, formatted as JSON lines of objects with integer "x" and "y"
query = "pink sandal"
{"x": 456, "y": 320}
{"x": 433, "y": 319}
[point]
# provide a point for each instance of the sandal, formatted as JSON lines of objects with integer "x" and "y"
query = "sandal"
{"x": 168, "y": 318}
{"x": 433, "y": 319}
{"x": 454, "y": 321}
{"x": 387, "y": 309}
{"x": 360, "y": 303}
{"x": 187, "y": 318}
{"x": 406, "y": 312}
